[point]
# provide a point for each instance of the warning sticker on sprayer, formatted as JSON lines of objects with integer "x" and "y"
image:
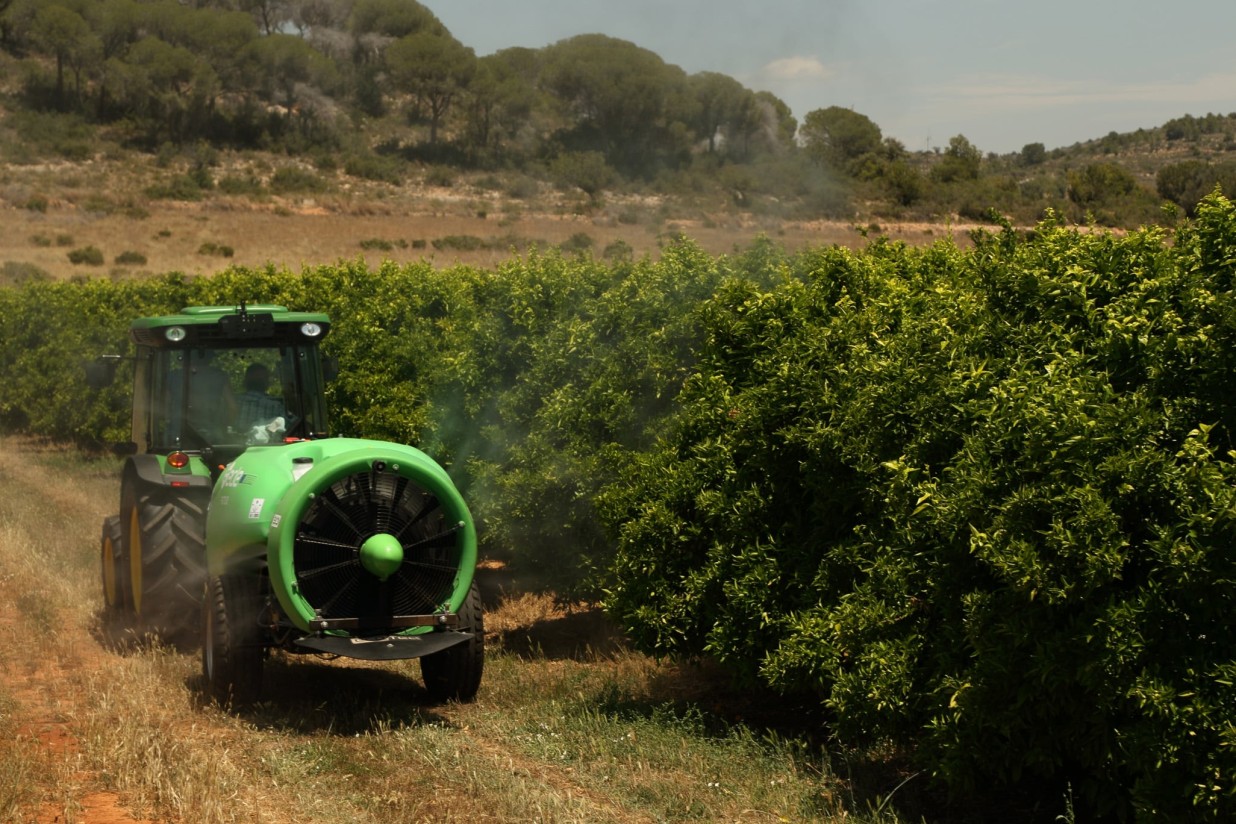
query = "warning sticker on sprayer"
{"x": 255, "y": 508}
{"x": 232, "y": 477}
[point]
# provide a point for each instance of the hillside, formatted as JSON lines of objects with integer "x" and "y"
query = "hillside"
{"x": 151, "y": 137}
{"x": 263, "y": 207}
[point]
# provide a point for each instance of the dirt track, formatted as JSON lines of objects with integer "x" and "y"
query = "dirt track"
{"x": 117, "y": 731}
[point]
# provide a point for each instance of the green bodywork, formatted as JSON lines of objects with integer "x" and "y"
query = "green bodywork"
{"x": 262, "y": 497}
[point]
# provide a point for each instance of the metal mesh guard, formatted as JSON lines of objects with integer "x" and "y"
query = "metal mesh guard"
{"x": 326, "y": 553}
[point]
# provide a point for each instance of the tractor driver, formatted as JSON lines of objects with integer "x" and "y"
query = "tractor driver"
{"x": 254, "y": 406}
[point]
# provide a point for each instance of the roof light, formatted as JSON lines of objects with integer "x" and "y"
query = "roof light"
{"x": 174, "y": 333}
{"x": 310, "y": 330}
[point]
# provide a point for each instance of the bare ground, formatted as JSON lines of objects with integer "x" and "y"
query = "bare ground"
{"x": 47, "y": 211}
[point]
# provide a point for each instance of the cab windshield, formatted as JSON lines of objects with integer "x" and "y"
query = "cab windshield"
{"x": 236, "y": 395}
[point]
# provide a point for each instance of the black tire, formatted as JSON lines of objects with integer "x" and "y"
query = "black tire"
{"x": 454, "y": 674}
{"x": 166, "y": 548}
{"x": 111, "y": 567}
{"x": 232, "y": 640}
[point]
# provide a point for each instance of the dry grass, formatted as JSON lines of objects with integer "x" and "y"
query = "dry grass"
{"x": 102, "y": 203}
{"x": 569, "y": 727}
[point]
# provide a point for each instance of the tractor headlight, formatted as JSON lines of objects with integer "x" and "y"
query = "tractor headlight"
{"x": 310, "y": 330}
{"x": 174, "y": 333}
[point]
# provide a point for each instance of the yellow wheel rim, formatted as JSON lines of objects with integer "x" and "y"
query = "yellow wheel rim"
{"x": 109, "y": 572}
{"x": 135, "y": 559}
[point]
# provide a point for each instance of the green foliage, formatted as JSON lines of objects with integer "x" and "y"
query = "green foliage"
{"x": 1032, "y": 154}
{"x": 1187, "y": 182}
{"x": 579, "y": 243}
{"x": 461, "y": 243}
{"x": 962, "y": 160}
{"x": 288, "y": 179}
{"x": 624, "y": 101}
{"x": 434, "y": 68}
{"x": 86, "y": 255}
{"x": 210, "y": 247}
{"x": 836, "y": 136}
{"x": 374, "y": 167}
{"x": 179, "y": 187}
{"x": 383, "y": 245}
{"x": 64, "y": 135}
{"x": 586, "y": 171}
{"x": 130, "y": 258}
{"x": 979, "y": 502}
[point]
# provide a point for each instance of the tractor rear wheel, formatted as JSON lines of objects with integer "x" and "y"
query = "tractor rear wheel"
{"x": 454, "y": 674}
{"x": 110, "y": 566}
{"x": 232, "y": 640}
{"x": 167, "y": 564}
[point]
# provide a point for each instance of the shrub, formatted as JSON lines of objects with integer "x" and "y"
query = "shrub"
{"x": 130, "y": 258}
{"x": 216, "y": 249}
{"x": 36, "y": 203}
{"x": 383, "y": 245}
{"x": 88, "y": 255}
{"x": 579, "y": 242}
{"x": 586, "y": 171}
{"x": 240, "y": 186}
{"x": 16, "y": 273}
{"x": 460, "y": 243}
{"x": 619, "y": 250}
{"x": 375, "y": 167}
{"x": 288, "y": 179}
{"x": 523, "y": 187}
{"x": 443, "y": 176}
{"x": 66, "y": 135}
{"x": 178, "y": 187}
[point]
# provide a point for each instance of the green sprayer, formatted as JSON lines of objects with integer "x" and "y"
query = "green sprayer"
{"x": 244, "y": 524}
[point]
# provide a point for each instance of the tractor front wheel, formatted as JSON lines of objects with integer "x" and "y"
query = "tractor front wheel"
{"x": 454, "y": 674}
{"x": 232, "y": 640}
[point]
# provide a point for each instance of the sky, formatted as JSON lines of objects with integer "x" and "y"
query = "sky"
{"x": 1003, "y": 74}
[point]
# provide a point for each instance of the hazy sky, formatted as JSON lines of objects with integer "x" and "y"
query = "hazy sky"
{"x": 1002, "y": 73}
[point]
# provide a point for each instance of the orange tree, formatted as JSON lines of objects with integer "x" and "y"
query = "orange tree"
{"x": 981, "y": 503}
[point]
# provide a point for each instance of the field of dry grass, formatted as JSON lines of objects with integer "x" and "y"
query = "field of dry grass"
{"x": 49, "y": 210}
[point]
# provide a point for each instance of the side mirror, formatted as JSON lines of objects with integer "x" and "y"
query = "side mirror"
{"x": 330, "y": 368}
{"x": 101, "y": 372}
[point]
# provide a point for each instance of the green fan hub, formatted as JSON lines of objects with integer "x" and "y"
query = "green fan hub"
{"x": 381, "y": 555}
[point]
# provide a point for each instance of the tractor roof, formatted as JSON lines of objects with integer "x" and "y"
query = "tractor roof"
{"x": 226, "y": 325}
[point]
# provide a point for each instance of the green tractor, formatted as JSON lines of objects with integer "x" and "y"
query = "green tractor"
{"x": 244, "y": 525}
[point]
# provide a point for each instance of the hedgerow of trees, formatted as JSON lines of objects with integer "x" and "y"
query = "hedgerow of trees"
{"x": 372, "y": 86}
{"x": 978, "y": 502}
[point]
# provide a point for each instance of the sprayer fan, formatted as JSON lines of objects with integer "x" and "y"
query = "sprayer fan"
{"x": 341, "y": 517}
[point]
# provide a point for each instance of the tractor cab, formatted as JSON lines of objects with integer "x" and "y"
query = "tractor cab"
{"x": 215, "y": 380}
